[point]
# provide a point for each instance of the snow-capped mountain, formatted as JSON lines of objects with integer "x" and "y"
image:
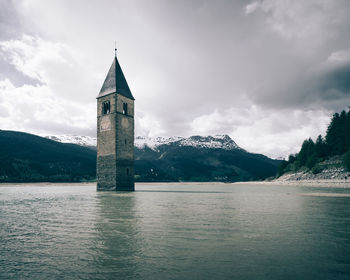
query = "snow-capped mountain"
{"x": 196, "y": 158}
{"x": 214, "y": 142}
{"x": 86, "y": 141}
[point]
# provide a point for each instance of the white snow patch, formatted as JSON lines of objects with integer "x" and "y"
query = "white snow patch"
{"x": 214, "y": 142}
{"x": 74, "y": 139}
{"x": 211, "y": 142}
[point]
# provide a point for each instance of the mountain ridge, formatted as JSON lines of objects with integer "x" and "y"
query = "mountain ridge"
{"x": 86, "y": 141}
{"x": 219, "y": 141}
{"x": 25, "y": 157}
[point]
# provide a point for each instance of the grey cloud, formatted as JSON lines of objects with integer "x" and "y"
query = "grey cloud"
{"x": 329, "y": 88}
{"x": 187, "y": 59}
{"x": 3, "y": 112}
{"x": 8, "y": 71}
{"x": 10, "y": 26}
{"x": 336, "y": 80}
{"x": 51, "y": 127}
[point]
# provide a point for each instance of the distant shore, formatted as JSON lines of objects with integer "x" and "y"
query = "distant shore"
{"x": 329, "y": 177}
{"x": 320, "y": 183}
{"x": 337, "y": 183}
{"x": 94, "y": 183}
{"x": 45, "y": 184}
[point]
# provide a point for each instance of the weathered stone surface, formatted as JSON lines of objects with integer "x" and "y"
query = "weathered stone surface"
{"x": 115, "y": 140}
{"x": 106, "y": 173}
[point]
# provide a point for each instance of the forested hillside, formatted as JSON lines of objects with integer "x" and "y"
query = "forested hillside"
{"x": 173, "y": 162}
{"x": 29, "y": 158}
{"x": 335, "y": 143}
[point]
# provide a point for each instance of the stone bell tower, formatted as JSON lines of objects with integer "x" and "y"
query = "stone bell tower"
{"x": 115, "y": 133}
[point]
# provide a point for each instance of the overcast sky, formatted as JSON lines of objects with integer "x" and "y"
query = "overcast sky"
{"x": 268, "y": 73}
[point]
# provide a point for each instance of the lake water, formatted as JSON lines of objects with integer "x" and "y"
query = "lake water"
{"x": 226, "y": 231}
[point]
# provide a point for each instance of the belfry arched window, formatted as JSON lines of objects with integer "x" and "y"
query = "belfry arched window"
{"x": 106, "y": 107}
{"x": 125, "y": 108}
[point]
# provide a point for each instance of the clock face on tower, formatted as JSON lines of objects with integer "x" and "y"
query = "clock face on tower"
{"x": 125, "y": 123}
{"x": 105, "y": 123}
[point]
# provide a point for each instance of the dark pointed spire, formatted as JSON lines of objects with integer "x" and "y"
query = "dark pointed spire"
{"x": 115, "y": 81}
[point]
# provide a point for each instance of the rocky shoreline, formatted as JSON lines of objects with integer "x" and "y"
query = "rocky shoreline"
{"x": 338, "y": 173}
{"x": 330, "y": 172}
{"x": 336, "y": 183}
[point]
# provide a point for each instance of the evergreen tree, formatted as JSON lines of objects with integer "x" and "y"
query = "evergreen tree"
{"x": 292, "y": 158}
{"x": 338, "y": 133}
{"x": 336, "y": 142}
{"x": 321, "y": 148}
{"x": 282, "y": 168}
{"x": 331, "y": 138}
{"x": 306, "y": 152}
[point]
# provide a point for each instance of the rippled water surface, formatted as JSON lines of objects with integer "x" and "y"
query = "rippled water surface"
{"x": 231, "y": 231}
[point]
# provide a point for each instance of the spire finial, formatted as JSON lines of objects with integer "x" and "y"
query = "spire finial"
{"x": 115, "y": 48}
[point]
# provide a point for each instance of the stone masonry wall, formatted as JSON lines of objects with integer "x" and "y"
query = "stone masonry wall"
{"x": 125, "y": 144}
{"x": 115, "y": 146}
{"x": 106, "y": 149}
